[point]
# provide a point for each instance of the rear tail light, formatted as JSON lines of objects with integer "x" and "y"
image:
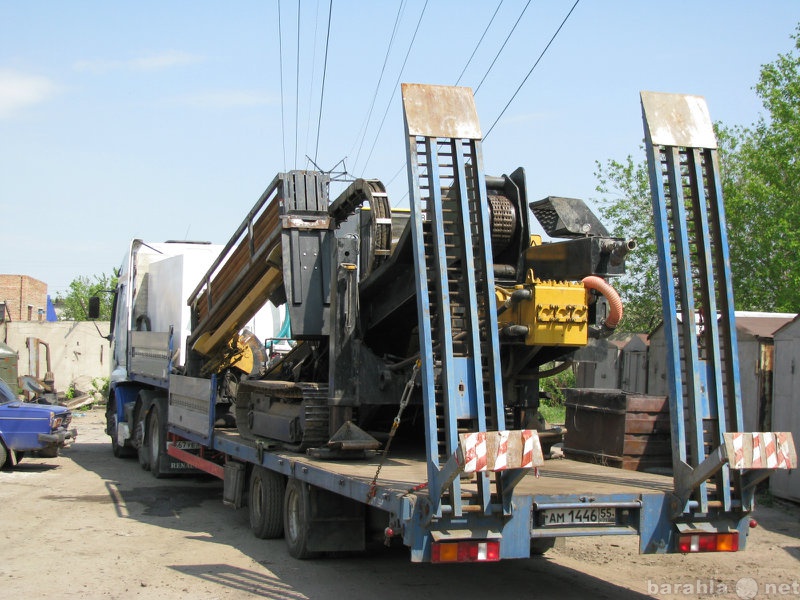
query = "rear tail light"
{"x": 708, "y": 542}
{"x": 467, "y": 551}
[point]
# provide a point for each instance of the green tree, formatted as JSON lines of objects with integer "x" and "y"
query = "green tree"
{"x": 761, "y": 186}
{"x": 626, "y": 206}
{"x": 75, "y": 304}
{"x": 760, "y": 170}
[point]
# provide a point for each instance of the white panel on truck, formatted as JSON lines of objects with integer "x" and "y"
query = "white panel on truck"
{"x": 172, "y": 280}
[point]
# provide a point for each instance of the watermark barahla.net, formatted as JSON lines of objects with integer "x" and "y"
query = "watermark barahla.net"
{"x": 746, "y": 587}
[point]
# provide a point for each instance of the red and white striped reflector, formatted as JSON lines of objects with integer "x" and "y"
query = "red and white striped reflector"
{"x": 761, "y": 450}
{"x": 500, "y": 450}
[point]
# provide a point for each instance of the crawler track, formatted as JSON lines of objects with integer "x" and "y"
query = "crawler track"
{"x": 263, "y": 396}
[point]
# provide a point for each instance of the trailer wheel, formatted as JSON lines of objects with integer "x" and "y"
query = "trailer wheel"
{"x": 155, "y": 441}
{"x": 265, "y": 503}
{"x": 296, "y": 519}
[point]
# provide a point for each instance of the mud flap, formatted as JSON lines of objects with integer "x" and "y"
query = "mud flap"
{"x": 337, "y": 523}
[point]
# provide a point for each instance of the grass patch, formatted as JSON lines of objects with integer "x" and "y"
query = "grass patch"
{"x": 554, "y": 415}
{"x": 551, "y": 406}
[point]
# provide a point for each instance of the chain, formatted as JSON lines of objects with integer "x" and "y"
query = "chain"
{"x": 404, "y": 400}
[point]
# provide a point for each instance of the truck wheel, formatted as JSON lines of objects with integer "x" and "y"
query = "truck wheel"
{"x": 4, "y": 457}
{"x": 296, "y": 519}
{"x": 265, "y": 503}
{"x": 156, "y": 441}
{"x": 111, "y": 428}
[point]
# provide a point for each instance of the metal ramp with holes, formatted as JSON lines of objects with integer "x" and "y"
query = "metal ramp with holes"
{"x": 459, "y": 339}
{"x": 716, "y": 466}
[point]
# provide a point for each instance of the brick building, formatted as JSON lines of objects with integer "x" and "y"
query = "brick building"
{"x": 22, "y": 298}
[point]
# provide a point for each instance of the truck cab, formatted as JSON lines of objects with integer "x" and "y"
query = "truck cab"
{"x": 153, "y": 280}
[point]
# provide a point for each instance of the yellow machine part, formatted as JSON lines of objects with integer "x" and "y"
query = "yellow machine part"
{"x": 555, "y": 315}
{"x": 243, "y": 352}
{"x": 211, "y": 341}
{"x": 245, "y": 359}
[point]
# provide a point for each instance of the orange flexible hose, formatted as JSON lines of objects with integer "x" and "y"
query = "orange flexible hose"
{"x": 594, "y": 282}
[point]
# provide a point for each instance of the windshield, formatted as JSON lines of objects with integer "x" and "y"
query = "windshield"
{"x": 6, "y": 395}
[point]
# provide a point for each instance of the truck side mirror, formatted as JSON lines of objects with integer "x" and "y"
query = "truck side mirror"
{"x": 94, "y": 307}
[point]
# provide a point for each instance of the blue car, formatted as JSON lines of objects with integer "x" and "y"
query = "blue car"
{"x": 27, "y": 427}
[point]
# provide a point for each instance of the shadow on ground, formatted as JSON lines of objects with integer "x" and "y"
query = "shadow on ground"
{"x": 194, "y": 505}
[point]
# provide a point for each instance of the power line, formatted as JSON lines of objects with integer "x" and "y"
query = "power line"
{"x": 280, "y": 61}
{"x": 297, "y": 89}
{"x": 324, "y": 73}
{"x": 464, "y": 70}
{"x": 380, "y": 79}
{"x": 532, "y": 68}
{"x": 396, "y": 84}
{"x": 495, "y": 60}
{"x": 313, "y": 71}
{"x": 388, "y": 183}
{"x": 403, "y": 166}
{"x": 519, "y": 18}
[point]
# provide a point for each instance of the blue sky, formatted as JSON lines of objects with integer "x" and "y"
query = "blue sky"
{"x": 166, "y": 120}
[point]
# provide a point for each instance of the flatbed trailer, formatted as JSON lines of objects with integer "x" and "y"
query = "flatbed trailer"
{"x": 562, "y": 498}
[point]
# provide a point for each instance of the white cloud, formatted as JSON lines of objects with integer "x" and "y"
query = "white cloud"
{"x": 151, "y": 62}
{"x": 165, "y": 60}
{"x": 98, "y": 65}
{"x": 19, "y": 90}
{"x": 224, "y": 99}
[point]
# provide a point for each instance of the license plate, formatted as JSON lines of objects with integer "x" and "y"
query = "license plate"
{"x": 579, "y": 516}
{"x": 185, "y": 445}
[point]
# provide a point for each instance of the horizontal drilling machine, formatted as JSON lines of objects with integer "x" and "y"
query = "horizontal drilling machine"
{"x": 351, "y": 273}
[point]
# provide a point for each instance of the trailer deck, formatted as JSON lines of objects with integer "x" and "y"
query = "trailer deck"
{"x": 405, "y": 472}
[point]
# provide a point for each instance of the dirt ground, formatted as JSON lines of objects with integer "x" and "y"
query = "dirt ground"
{"x": 88, "y": 525}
